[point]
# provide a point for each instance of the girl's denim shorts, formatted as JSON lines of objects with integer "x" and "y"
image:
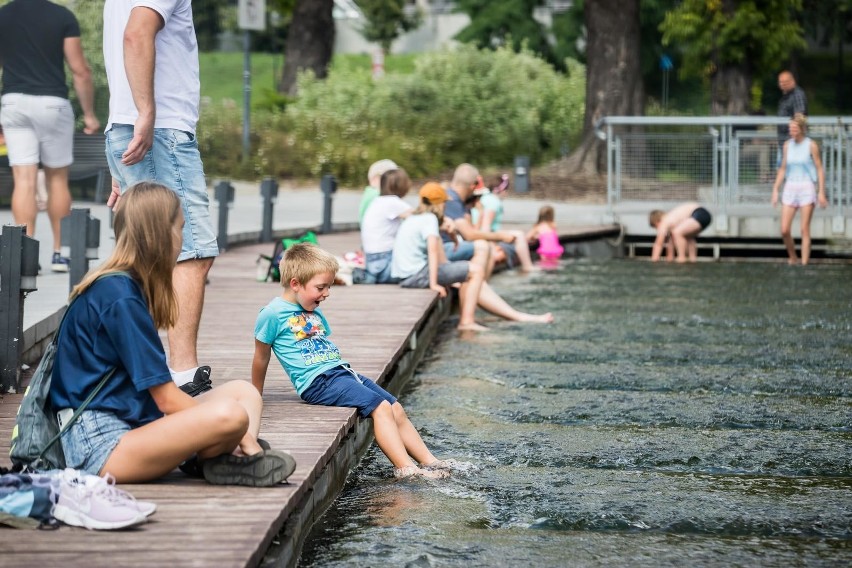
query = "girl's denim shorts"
{"x": 90, "y": 440}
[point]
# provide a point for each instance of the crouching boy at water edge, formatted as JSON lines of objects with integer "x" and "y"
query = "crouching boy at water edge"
{"x": 295, "y": 329}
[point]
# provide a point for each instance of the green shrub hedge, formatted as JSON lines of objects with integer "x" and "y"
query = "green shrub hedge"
{"x": 464, "y": 105}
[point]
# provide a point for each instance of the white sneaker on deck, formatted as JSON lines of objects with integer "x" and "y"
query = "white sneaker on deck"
{"x": 96, "y": 503}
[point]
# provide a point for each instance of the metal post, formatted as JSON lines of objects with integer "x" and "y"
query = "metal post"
{"x": 522, "y": 174}
{"x": 225, "y": 196}
{"x": 80, "y": 240}
{"x": 328, "y": 185}
{"x": 18, "y": 271}
{"x": 269, "y": 194}
{"x": 246, "y": 92}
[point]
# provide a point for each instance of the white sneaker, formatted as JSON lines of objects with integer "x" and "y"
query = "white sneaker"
{"x": 95, "y": 503}
{"x": 147, "y": 508}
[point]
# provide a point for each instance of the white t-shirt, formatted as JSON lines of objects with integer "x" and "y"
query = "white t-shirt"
{"x": 410, "y": 253}
{"x": 177, "y": 88}
{"x": 381, "y": 222}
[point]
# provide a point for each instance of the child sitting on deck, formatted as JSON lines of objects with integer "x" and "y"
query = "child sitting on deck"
{"x": 420, "y": 261}
{"x": 296, "y": 330}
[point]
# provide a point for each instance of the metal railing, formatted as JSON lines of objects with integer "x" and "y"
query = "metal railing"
{"x": 720, "y": 160}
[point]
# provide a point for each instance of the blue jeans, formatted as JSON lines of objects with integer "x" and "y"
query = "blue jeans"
{"x": 378, "y": 266}
{"x": 173, "y": 161}
{"x": 462, "y": 251}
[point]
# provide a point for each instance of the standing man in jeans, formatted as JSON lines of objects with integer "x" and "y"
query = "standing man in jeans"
{"x": 37, "y": 38}
{"x": 151, "y": 59}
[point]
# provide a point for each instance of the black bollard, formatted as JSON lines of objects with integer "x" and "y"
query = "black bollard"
{"x": 81, "y": 237}
{"x": 225, "y": 196}
{"x": 269, "y": 194}
{"x": 18, "y": 272}
{"x": 328, "y": 185}
{"x": 522, "y": 174}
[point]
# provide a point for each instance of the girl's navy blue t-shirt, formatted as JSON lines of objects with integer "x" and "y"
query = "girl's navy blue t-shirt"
{"x": 110, "y": 326}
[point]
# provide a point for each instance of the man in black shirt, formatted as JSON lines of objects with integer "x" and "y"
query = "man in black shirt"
{"x": 37, "y": 37}
{"x": 793, "y": 101}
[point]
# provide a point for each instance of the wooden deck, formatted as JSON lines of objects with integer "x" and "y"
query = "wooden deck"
{"x": 382, "y": 330}
{"x": 198, "y": 524}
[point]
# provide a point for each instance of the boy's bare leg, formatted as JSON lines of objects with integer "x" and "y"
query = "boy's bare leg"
{"x": 693, "y": 249}
{"x": 787, "y": 214}
{"x": 24, "y": 210}
{"x": 681, "y": 233}
{"x": 58, "y": 201}
{"x": 188, "y": 278}
{"x": 388, "y": 435}
{"x": 414, "y": 445}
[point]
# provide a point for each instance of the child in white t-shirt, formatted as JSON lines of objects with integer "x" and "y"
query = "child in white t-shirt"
{"x": 380, "y": 223}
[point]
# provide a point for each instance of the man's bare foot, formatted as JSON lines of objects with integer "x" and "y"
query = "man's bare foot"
{"x": 793, "y": 261}
{"x": 472, "y": 327}
{"x": 537, "y": 318}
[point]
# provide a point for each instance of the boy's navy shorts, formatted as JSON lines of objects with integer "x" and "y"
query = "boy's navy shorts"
{"x": 341, "y": 386}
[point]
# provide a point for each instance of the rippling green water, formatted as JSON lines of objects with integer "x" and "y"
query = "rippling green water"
{"x": 674, "y": 415}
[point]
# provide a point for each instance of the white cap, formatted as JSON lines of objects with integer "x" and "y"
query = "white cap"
{"x": 380, "y": 167}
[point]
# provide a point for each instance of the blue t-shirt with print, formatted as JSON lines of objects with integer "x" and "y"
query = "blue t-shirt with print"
{"x": 299, "y": 339}
{"x": 109, "y": 326}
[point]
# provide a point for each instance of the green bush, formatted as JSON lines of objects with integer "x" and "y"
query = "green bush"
{"x": 456, "y": 106}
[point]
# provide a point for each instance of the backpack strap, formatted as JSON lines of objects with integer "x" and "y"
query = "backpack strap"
{"x": 79, "y": 410}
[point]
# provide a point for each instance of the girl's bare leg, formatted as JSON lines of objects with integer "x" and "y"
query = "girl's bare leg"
{"x": 787, "y": 214}
{"x": 226, "y": 420}
{"x": 491, "y": 301}
{"x": 807, "y": 214}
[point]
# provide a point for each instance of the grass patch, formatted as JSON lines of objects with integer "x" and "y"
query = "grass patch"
{"x": 222, "y": 72}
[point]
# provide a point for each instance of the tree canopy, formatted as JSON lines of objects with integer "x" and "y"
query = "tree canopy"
{"x": 731, "y": 41}
{"x": 386, "y": 20}
{"x": 498, "y": 23}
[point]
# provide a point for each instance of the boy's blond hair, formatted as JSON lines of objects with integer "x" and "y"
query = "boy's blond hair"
{"x": 303, "y": 261}
{"x": 655, "y": 217}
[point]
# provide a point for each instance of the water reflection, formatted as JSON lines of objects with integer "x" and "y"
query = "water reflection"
{"x": 694, "y": 415}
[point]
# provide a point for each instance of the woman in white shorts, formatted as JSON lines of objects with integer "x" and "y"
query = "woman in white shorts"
{"x": 801, "y": 168}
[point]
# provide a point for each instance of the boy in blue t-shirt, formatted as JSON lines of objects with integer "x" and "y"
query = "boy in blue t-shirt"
{"x": 294, "y": 329}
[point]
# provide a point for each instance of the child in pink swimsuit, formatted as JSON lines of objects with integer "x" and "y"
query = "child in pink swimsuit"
{"x": 545, "y": 231}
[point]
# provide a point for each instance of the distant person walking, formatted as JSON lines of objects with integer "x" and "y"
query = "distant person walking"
{"x": 793, "y": 101}
{"x": 801, "y": 167}
{"x": 150, "y": 136}
{"x": 37, "y": 37}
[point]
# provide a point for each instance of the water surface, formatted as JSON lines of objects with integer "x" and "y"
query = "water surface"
{"x": 674, "y": 415}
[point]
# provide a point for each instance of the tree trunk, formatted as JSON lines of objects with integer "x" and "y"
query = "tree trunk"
{"x": 310, "y": 42}
{"x": 730, "y": 89}
{"x": 613, "y": 75}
